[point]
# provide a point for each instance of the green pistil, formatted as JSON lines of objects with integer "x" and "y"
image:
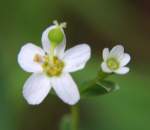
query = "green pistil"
{"x": 56, "y": 36}
{"x": 113, "y": 64}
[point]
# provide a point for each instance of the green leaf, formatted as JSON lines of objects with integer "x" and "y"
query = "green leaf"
{"x": 99, "y": 88}
{"x": 65, "y": 123}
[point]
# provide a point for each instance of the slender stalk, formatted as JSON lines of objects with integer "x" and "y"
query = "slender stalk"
{"x": 102, "y": 75}
{"x": 75, "y": 117}
{"x": 51, "y": 53}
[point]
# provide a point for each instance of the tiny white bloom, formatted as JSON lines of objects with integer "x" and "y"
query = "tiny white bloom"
{"x": 52, "y": 71}
{"x": 115, "y": 60}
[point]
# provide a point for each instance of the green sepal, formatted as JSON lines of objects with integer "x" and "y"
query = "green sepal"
{"x": 99, "y": 88}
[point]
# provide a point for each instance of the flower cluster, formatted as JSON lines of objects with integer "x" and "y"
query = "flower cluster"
{"x": 52, "y": 65}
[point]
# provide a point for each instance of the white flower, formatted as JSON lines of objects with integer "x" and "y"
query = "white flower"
{"x": 52, "y": 72}
{"x": 115, "y": 60}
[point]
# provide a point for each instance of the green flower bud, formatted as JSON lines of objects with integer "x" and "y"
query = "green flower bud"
{"x": 56, "y": 36}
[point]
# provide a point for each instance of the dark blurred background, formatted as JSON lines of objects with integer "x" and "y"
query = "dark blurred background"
{"x": 100, "y": 23}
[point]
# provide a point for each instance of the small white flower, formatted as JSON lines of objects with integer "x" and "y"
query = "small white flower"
{"x": 115, "y": 60}
{"x": 52, "y": 72}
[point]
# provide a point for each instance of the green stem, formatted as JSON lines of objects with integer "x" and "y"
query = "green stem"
{"x": 102, "y": 75}
{"x": 75, "y": 117}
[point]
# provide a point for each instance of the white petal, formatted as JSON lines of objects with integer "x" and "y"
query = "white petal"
{"x": 126, "y": 59}
{"x": 46, "y": 42}
{"x": 122, "y": 70}
{"x": 36, "y": 88}
{"x": 60, "y": 49}
{"x": 105, "y": 68}
{"x": 76, "y": 57}
{"x": 117, "y": 51}
{"x": 26, "y": 58}
{"x": 66, "y": 89}
{"x": 105, "y": 53}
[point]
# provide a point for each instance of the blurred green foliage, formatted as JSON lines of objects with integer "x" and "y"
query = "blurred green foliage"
{"x": 98, "y": 22}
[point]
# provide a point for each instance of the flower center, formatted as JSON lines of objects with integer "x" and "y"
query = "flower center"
{"x": 52, "y": 68}
{"x": 113, "y": 64}
{"x": 52, "y": 65}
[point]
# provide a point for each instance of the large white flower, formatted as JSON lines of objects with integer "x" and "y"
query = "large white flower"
{"x": 115, "y": 60}
{"x": 52, "y": 71}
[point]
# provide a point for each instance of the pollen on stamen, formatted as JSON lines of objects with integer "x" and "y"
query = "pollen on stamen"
{"x": 37, "y": 58}
{"x": 53, "y": 69}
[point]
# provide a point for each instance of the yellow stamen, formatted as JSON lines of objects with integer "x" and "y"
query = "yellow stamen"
{"x": 53, "y": 69}
{"x": 37, "y": 58}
